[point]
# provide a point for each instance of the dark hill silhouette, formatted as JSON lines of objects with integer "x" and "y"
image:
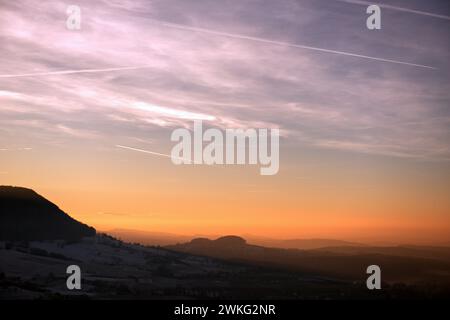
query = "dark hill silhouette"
{"x": 398, "y": 264}
{"x": 304, "y": 244}
{"x": 164, "y": 239}
{"x": 222, "y": 243}
{"x": 231, "y": 241}
{"x": 25, "y": 215}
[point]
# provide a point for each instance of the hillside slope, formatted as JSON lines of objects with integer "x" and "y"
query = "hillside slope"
{"x": 25, "y": 215}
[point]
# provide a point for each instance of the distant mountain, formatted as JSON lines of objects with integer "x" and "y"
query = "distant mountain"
{"x": 304, "y": 244}
{"x": 165, "y": 239}
{"x": 426, "y": 252}
{"x": 25, "y": 215}
{"x": 398, "y": 264}
{"x": 148, "y": 237}
{"x": 227, "y": 242}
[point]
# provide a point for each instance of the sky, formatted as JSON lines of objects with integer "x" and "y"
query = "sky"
{"x": 364, "y": 115}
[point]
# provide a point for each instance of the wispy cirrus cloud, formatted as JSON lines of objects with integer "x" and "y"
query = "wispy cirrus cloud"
{"x": 308, "y": 67}
{"x": 171, "y": 112}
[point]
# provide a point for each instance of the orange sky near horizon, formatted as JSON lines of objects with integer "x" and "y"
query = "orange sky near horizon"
{"x": 364, "y": 115}
{"x": 316, "y": 194}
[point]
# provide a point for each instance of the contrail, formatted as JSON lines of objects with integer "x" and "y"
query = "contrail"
{"x": 387, "y": 6}
{"x": 236, "y": 36}
{"x": 151, "y": 152}
{"x": 17, "y": 149}
{"x": 49, "y": 73}
{"x": 281, "y": 43}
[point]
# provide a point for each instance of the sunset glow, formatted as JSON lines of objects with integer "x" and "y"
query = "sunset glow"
{"x": 364, "y": 116}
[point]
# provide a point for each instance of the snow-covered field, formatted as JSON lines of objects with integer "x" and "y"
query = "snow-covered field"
{"x": 109, "y": 268}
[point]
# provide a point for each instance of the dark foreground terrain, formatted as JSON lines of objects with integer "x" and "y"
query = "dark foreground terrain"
{"x": 112, "y": 269}
{"x": 38, "y": 242}
{"x": 401, "y": 264}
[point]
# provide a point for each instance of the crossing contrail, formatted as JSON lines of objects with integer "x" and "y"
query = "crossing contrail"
{"x": 49, "y": 73}
{"x": 152, "y": 152}
{"x": 236, "y": 36}
{"x": 387, "y": 6}
{"x": 281, "y": 43}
